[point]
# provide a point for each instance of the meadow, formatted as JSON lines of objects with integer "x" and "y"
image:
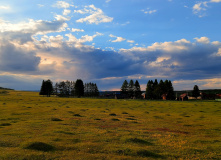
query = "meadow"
{"x": 33, "y": 127}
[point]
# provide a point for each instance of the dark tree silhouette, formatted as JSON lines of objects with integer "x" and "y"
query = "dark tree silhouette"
{"x": 79, "y": 88}
{"x": 196, "y": 92}
{"x": 124, "y": 88}
{"x": 149, "y": 90}
{"x": 137, "y": 90}
{"x": 46, "y": 88}
{"x": 131, "y": 89}
{"x": 91, "y": 90}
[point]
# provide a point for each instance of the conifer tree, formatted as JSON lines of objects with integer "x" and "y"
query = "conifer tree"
{"x": 196, "y": 91}
{"x": 149, "y": 90}
{"x": 79, "y": 88}
{"x": 131, "y": 89}
{"x": 137, "y": 90}
{"x": 124, "y": 88}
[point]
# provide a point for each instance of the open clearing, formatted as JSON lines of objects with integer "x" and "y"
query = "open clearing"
{"x": 34, "y": 127}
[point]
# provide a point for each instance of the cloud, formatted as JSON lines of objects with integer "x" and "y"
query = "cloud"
{"x": 23, "y": 31}
{"x": 77, "y": 30}
{"x": 62, "y": 4}
{"x": 200, "y": 7}
{"x": 5, "y": 7}
{"x": 215, "y": 1}
{"x": 40, "y": 5}
{"x": 96, "y": 15}
{"x": 119, "y": 39}
{"x": 202, "y": 40}
{"x": 62, "y": 18}
{"x": 54, "y": 56}
{"x": 148, "y": 11}
{"x": 16, "y": 60}
{"x": 66, "y": 12}
{"x": 130, "y": 41}
{"x": 107, "y": 1}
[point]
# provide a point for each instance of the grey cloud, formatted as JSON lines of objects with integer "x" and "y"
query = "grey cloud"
{"x": 25, "y": 31}
{"x": 17, "y": 60}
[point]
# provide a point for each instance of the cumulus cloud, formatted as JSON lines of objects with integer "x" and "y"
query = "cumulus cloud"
{"x": 202, "y": 40}
{"x": 66, "y": 12}
{"x": 77, "y": 30}
{"x": 96, "y": 15}
{"x": 61, "y": 18}
{"x": 200, "y": 7}
{"x": 119, "y": 39}
{"x": 62, "y": 4}
{"x": 24, "y": 31}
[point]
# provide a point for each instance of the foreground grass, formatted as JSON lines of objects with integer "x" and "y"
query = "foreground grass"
{"x": 33, "y": 127}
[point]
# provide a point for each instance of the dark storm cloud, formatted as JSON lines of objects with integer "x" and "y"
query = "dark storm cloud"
{"x": 13, "y": 59}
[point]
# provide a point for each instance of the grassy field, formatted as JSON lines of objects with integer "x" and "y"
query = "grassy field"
{"x": 35, "y": 128}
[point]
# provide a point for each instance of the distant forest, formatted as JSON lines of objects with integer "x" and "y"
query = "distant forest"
{"x": 131, "y": 90}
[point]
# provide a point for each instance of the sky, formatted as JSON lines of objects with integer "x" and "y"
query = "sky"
{"x": 109, "y": 41}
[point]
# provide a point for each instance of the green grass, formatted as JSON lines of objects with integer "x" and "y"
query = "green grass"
{"x": 34, "y": 127}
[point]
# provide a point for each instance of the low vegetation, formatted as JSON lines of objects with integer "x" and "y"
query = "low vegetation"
{"x": 34, "y": 127}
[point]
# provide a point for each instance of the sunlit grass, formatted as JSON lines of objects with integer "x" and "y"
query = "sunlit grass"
{"x": 79, "y": 128}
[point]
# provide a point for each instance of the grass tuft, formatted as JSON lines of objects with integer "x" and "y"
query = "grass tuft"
{"x": 56, "y": 119}
{"x": 77, "y": 115}
{"x": 139, "y": 141}
{"x": 124, "y": 113}
{"x": 115, "y": 119}
{"x": 112, "y": 114}
{"x": 145, "y": 153}
{"x": 39, "y": 146}
{"x": 5, "y": 124}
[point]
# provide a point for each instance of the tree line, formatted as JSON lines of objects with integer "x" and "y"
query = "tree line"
{"x": 69, "y": 88}
{"x": 155, "y": 90}
{"x": 131, "y": 89}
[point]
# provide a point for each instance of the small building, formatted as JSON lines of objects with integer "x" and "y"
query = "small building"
{"x": 164, "y": 96}
{"x": 143, "y": 95}
{"x": 183, "y": 97}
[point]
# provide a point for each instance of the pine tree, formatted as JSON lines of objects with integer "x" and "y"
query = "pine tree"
{"x": 155, "y": 89}
{"x": 137, "y": 90}
{"x": 131, "y": 89}
{"x": 196, "y": 92}
{"x": 79, "y": 88}
{"x": 46, "y": 88}
{"x": 149, "y": 90}
{"x": 124, "y": 88}
{"x": 42, "y": 91}
{"x": 170, "y": 91}
{"x": 162, "y": 88}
